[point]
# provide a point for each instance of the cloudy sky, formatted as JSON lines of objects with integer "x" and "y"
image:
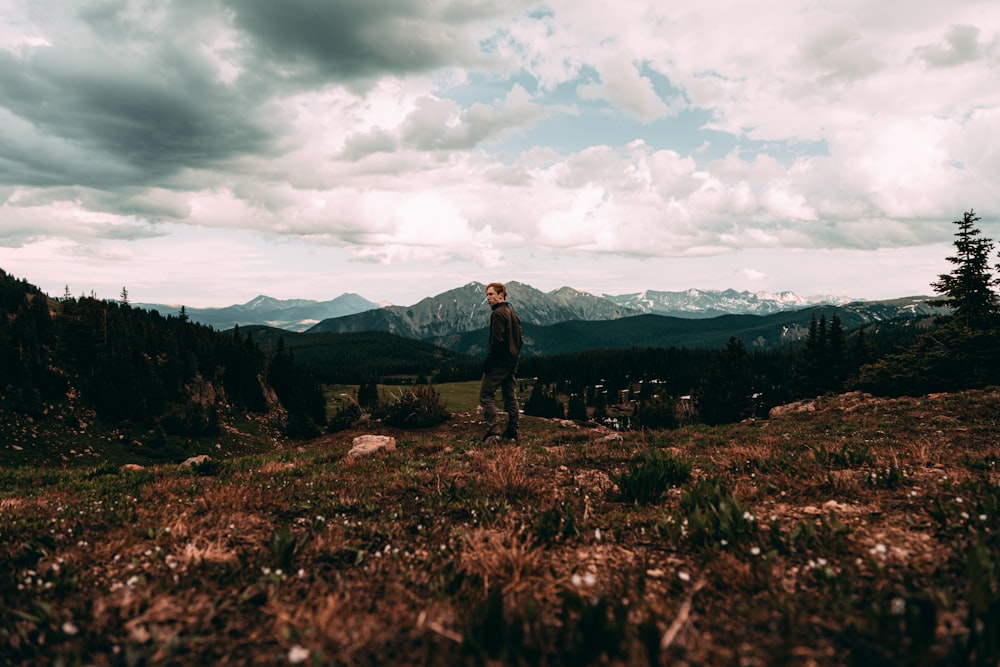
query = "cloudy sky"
{"x": 202, "y": 152}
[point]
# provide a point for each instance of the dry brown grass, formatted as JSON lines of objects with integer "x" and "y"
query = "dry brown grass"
{"x": 508, "y": 471}
{"x": 504, "y": 557}
{"x": 439, "y": 554}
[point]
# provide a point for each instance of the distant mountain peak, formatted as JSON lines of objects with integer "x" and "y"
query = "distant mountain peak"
{"x": 695, "y": 302}
{"x": 464, "y": 309}
{"x": 569, "y": 291}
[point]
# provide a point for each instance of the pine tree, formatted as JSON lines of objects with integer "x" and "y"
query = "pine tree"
{"x": 968, "y": 289}
{"x": 863, "y": 352}
{"x": 543, "y": 402}
{"x": 836, "y": 353}
{"x": 965, "y": 352}
{"x": 368, "y": 396}
{"x": 577, "y": 408}
{"x": 726, "y": 394}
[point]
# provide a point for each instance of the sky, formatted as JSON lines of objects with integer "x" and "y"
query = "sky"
{"x": 203, "y": 152}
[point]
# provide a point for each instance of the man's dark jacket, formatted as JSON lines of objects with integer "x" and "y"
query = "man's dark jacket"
{"x": 505, "y": 338}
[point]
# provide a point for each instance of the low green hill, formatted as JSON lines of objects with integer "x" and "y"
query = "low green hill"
{"x": 756, "y": 332}
{"x": 354, "y": 357}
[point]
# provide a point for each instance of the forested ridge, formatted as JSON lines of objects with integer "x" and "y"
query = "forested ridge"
{"x": 356, "y": 357}
{"x": 156, "y": 376}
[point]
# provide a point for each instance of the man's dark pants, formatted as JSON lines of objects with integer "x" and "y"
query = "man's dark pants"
{"x": 502, "y": 379}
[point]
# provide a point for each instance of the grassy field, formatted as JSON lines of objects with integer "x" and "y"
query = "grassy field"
{"x": 846, "y": 531}
{"x": 456, "y": 396}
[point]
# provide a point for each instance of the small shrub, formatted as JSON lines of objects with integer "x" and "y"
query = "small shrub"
{"x": 890, "y": 477}
{"x": 544, "y": 403}
{"x": 191, "y": 420}
{"x": 345, "y": 417}
{"x": 659, "y": 413}
{"x": 714, "y": 514}
{"x": 103, "y": 469}
{"x": 416, "y": 408}
{"x": 302, "y": 427}
{"x": 577, "y": 408}
{"x": 982, "y": 570}
{"x": 207, "y": 468}
{"x": 368, "y": 396}
{"x": 284, "y": 547}
{"x": 555, "y": 524}
{"x": 827, "y": 536}
{"x": 847, "y": 457}
{"x": 649, "y": 477}
{"x": 506, "y": 471}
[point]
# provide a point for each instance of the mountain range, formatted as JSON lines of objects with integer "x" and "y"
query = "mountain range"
{"x": 290, "y": 314}
{"x": 463, "y": 309}
{"x": 566, "y": 320}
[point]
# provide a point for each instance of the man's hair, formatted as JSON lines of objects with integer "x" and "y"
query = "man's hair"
{"x": 499, "y": 288}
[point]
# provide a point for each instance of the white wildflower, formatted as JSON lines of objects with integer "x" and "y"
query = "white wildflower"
{"x": 298, "y": 654}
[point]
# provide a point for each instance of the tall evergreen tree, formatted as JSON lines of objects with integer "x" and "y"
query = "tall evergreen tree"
{"x": 968, "y": 289}
{"x": 836, "y": 353}
{"x": 577, "y": 408}
{"x": 543, "y": 402}
{"x": 726, "y": 394}
{"x": 965, "y": 352}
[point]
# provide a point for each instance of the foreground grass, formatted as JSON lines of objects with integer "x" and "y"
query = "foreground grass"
{"x": 852, "y": 532}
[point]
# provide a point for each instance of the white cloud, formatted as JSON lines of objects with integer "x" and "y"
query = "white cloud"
{"x": 468, "y": 135}
{"x": 623, "y": 86}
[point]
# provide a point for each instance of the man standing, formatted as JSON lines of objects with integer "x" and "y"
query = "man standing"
{"x": 500, "y": 365}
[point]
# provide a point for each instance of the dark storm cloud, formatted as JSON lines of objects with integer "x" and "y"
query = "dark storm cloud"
{"x": 121, "y": 122}
{"x": 358, "y": 39}
{"x": 117, "y": 98}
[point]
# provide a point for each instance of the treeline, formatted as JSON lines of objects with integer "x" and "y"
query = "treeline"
{"x": 727, "y": 384}
{"x": 663, "y": 387}
{"x": 140, "y": 368}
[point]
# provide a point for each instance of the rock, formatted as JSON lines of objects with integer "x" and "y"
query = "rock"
{"x": 789, "y": 408}
{"x": 132, "y": 467}
{"x": 196, "y": 460}
{"x": 369, "y": 444}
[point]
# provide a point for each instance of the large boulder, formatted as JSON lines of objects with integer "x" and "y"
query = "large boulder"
{"x": 364, "y": 445}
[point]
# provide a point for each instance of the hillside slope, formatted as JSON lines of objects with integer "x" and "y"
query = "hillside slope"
{"x": 846, "y": 531}
{"x": 355, "y": 357}
{"x": 756, "y": 331}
